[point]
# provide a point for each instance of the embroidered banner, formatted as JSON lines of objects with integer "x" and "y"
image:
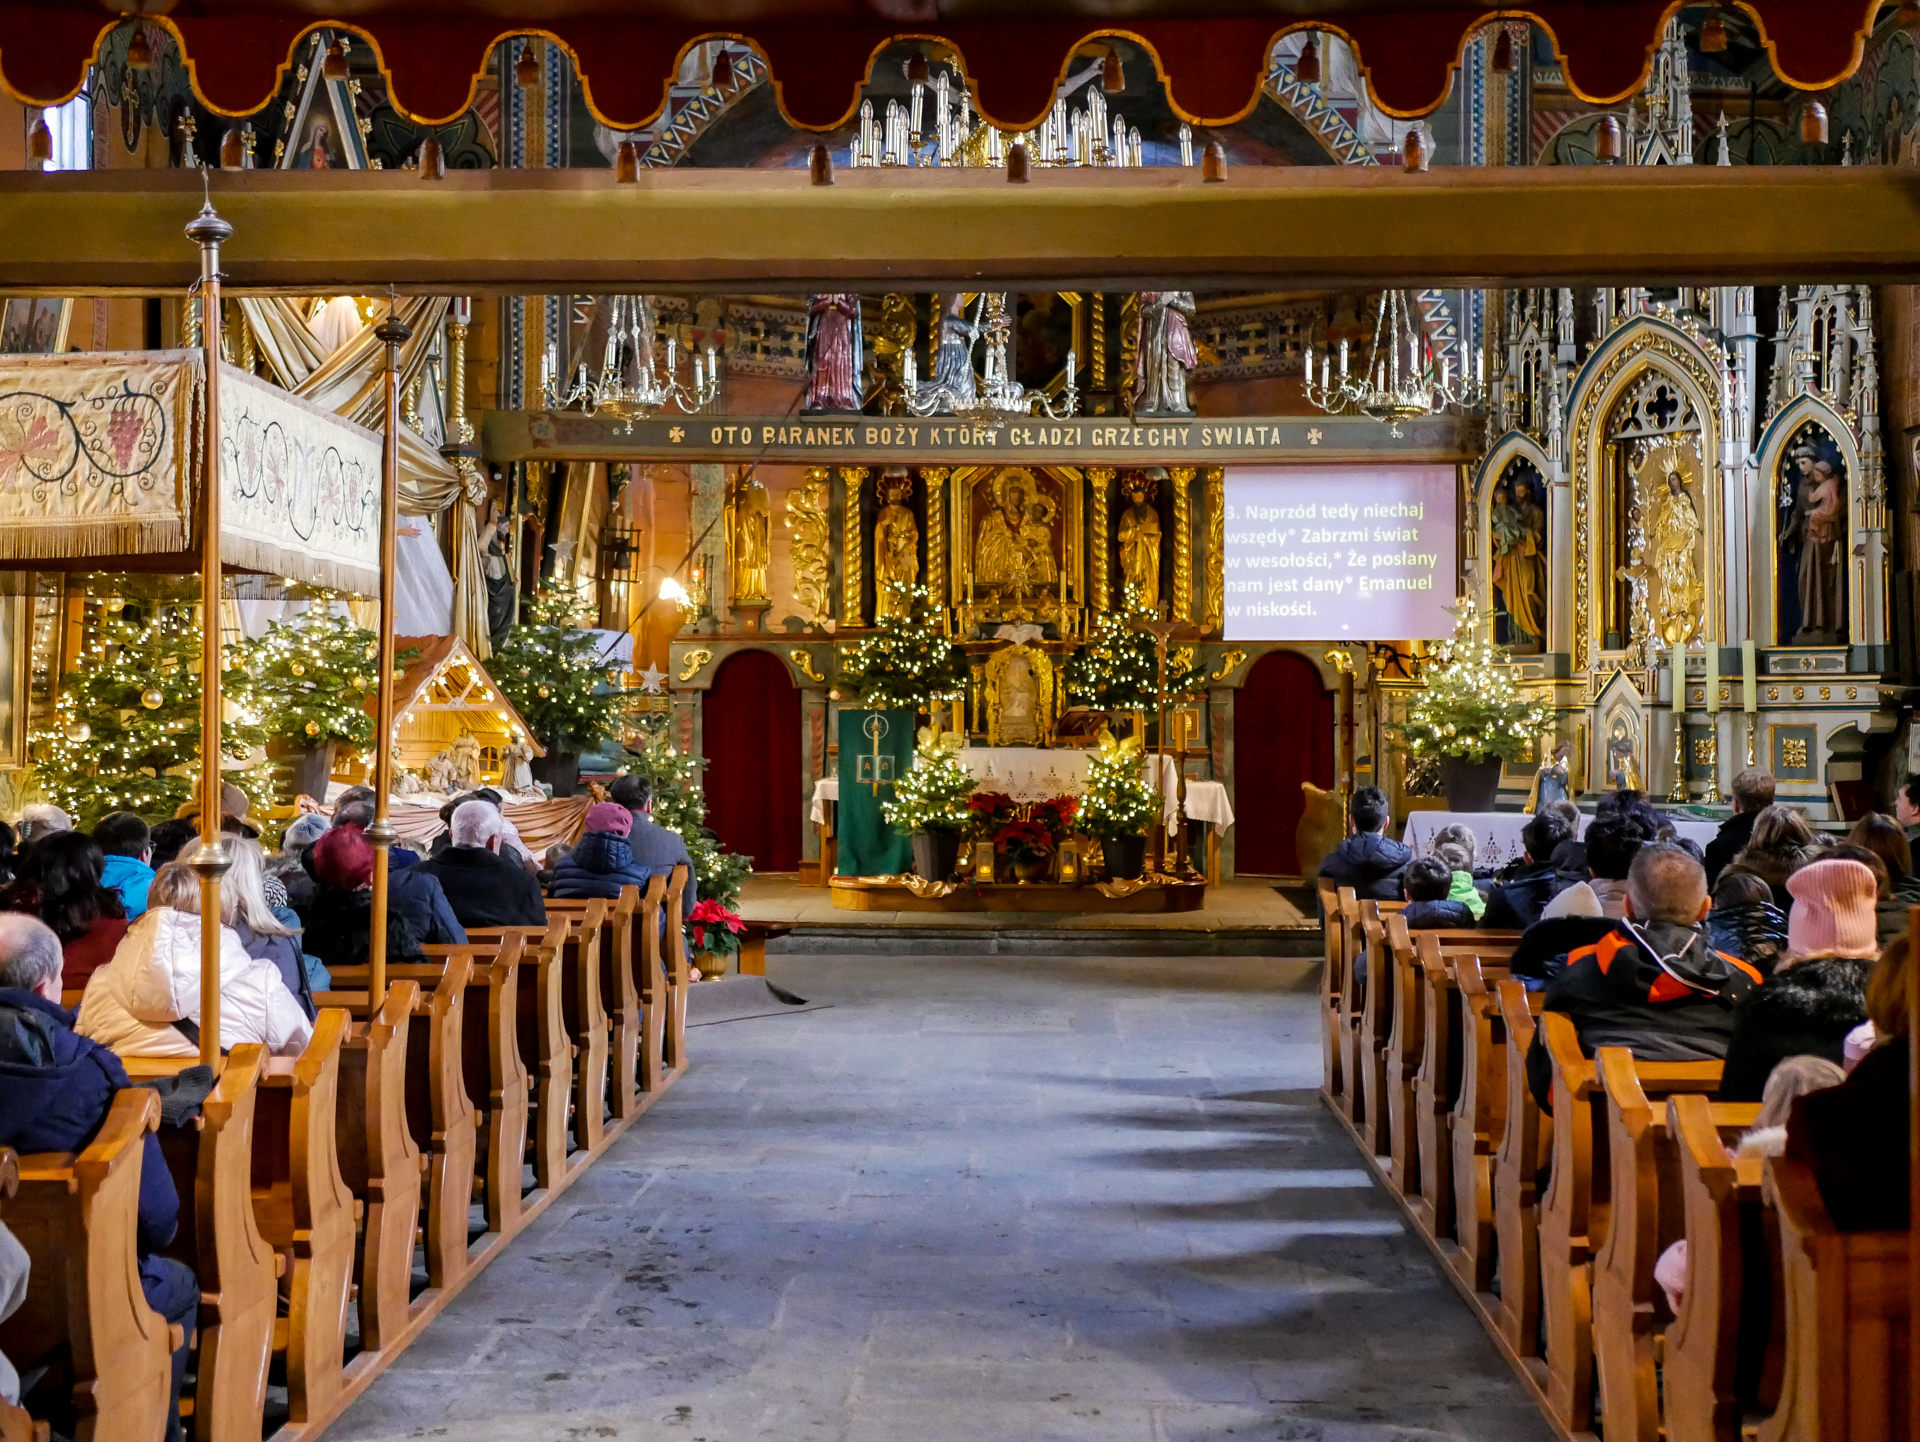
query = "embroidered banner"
{"x": 99, "y": 459}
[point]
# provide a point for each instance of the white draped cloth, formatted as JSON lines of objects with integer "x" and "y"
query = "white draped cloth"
{"x": 1498, "y": 832}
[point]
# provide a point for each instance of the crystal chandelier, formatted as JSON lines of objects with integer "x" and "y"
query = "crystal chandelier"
{"x": 995, "y": 395}
{"x": 630, "y": 386}
{"x": 1402, "y": 379}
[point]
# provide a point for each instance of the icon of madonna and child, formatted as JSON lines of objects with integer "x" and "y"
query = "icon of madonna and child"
{"x": 1812, "y": 537}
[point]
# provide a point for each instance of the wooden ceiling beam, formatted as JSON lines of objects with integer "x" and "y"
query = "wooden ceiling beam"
{"x": 1155, "y": 228}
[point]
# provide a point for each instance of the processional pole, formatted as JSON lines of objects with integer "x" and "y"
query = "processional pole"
{"x": 392, "y": 333}
{"x": 207, "y": 230}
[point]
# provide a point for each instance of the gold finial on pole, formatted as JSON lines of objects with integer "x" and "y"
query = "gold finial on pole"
{"x": 392, "y": 333}
{"x": 207, "y": 230}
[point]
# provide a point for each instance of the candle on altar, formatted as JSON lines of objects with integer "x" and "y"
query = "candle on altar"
{"x": 1747, "y": 689}
{"x": 1713, "y": 678}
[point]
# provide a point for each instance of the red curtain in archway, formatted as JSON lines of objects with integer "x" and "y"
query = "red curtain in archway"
{"x": 1282, "y": 735}
{"x": 751, "y": 720}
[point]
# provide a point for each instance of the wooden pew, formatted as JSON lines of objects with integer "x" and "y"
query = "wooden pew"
{"x": 673, "y": 1047}
{"x": 1353, "y": 1097}
{"x": 306, "y": 1210}
{"x": 496, "y": 1076}
{"x": 1400, "y": 1061}
{"x": 1574, "y": 1211}
{"x": 1331, "y": 984}
{"x": 1847, "y": 1376}
{"x": 1645, "y": 1215}
{"x": 651, "y": 980}
{"x": 1432, "y": 1052}
{"x": 1526, "y": 1142}
{"x": 585, "y": 1018}
{"x": 1477, "y": 1123}
{"x": 378, "y": 1158}
{"x": 440, "y": 1114}
{"x": 77, "y": 1217}
{"x": 619, "y": 994}
{"x": 212, "y": 1160}
{"x": 1376, "y": 1025}
{"x": 1721, "y": 1201}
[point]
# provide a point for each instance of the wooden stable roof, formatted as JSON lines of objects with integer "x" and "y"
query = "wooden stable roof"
{"x": 434, "y": 679}
{"x": 1213, "y": 53}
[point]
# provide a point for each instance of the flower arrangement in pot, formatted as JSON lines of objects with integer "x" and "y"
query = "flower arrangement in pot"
{"x": 1029, "y": 840}
{"x": 931, "y": 803}
{"x": 716, "y": 937}
{"x": 1119, "y": 806}
{"x": 1471, "y": 716}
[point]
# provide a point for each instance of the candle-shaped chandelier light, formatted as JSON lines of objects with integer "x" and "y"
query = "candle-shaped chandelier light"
{"x": 632, "y": 385}
{"x": 1402, "y": 379}
{"x": 936, "y": 126}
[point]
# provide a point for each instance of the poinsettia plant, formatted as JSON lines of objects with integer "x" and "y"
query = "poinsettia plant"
{"x": 990, "y": 810}
{"x": 716, "y": 931}
{"x": 1024, "y": 840}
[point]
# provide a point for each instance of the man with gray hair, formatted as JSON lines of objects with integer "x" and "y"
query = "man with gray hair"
{"x": 1652, "y": 984}
{"x": 55, "y": 1089}
{"x": 483, "y": 887}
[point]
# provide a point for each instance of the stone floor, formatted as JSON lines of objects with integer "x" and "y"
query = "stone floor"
{"x": 978, "y": 1198}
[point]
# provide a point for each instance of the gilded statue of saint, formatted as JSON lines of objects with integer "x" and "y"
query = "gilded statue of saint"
{"x": 1139, "y": 536}
{"x": 1014, "y": 547}
{"x": 1674, "y": 538}
{"x": 896, "y": 547}
{"x": 747, "y": 530}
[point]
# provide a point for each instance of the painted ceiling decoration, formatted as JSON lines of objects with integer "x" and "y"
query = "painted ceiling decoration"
{"x": 1213, "y": 53}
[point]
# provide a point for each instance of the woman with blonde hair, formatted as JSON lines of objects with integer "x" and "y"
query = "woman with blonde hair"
{"x": 1780, "y": 835}
{"x": 245, "y": 908}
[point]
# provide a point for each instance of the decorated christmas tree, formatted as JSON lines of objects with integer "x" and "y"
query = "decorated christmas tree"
{"x": 680, "y": 805}
{"x": 308, "y": 677}
{"x": 932, "y": 796}
{"x": 909, "y": 662}
{"x": 1119, "y": 667}
{"x": 124, "y": 733}
{"x": 1471, "y": 708}
{"x": 552, "y": 671}
{"x": 1117, "y": 800}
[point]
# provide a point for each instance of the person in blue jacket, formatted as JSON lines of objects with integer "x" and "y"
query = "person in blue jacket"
{"x": 55, "y": 1090}
{"x": 602, "y": 863}
{"x": 129, "y": 869}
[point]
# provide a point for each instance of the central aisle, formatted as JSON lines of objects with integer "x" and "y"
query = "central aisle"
{"x": 980, "y": 1199}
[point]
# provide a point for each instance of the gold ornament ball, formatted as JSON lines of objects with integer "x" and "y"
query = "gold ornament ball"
{"x": 79, "y": 731}
{"x": 152, "y": 699}
{"x": 542, "y": 693}
{"x": 296, "y": 668}
{"x": 359, "y": 683}
{"x": 313, "y": 728}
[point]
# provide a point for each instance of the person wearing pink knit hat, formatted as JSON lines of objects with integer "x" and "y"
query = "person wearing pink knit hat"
{"x": 1819, "y": 992}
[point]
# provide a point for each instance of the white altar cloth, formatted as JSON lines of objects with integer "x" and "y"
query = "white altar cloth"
{"x": 1031, "y": 773}
{"x": 1499, "y": 831}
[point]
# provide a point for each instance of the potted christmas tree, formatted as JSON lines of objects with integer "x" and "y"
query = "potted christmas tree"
{"x": 1118, "y": 670}
{"x": 908, "y": 663}
{"x": 307, "y": 679}
{"x": 552, "y": 671}
{"x": 1119, "y": 806}
{"x": 1471, "y": 716}
{"x": 930, "y": 802}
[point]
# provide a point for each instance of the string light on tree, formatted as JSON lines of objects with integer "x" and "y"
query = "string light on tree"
{"x": 1470, "y": 707}
{"x": 551, "y": 669}
{"x": 1119, "y": 668}
{"x": 908, "y": 663}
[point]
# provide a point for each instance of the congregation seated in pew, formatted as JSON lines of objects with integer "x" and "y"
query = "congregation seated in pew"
{"x": 602, "y": 862}
{"x": 56, "y": 1086}
{"x": 146, "y": 1001}
{"x": 484, "y": 886}
{"x": 128, "y": 844}
{"x": 265, "y": 933}
{"x": 58, "y": 881}
{"x": 410, "y": 892}
{"x": 1652, "y": 984}
{"x": 339, "y": 919}
{"x": 1517, "y": 900}
{"x": 1368, "y": 860}
{"x": 1745, "y": 922}
{"x": 656, "y": 847}
{"x": 1428, "y": 884}
{"x": 1781, "y": 836}
{"x": 1457, "y": 846}
{"x": 1817, "y": 993}
{"x": 1578, "y": 915}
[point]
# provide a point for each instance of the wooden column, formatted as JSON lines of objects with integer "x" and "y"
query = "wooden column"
{"x": 392, "y": 333}
{"x": 207, "y": 230}
{"x": 1182, "y": 477}
{"x": 1216, "y": 479}
{"x": 1100, "y": 571}
{"x": 936, "y": 478}
{"x": 852, "y": 549}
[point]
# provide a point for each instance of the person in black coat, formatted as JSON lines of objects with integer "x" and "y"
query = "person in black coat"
{"x": 1745, "y": 922}
{"x": 483, "y": 887}
{"x": 55, "y": 1090}
{"x": 1427, "y": 883}
{"x": 1367, "y": 860}
{"x": 1752, "y": 794}
{"x": 1516, "y": 903}
{"x": 1819, "y": 993}
{"x": 602, "y": 864}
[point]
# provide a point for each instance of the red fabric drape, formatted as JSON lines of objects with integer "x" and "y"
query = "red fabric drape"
{"x": 1282, "y": 735}
{"x": 751, "y": 718}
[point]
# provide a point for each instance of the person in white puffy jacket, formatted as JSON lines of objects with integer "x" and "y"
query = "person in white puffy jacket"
{"x": 132, "y": 1003}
